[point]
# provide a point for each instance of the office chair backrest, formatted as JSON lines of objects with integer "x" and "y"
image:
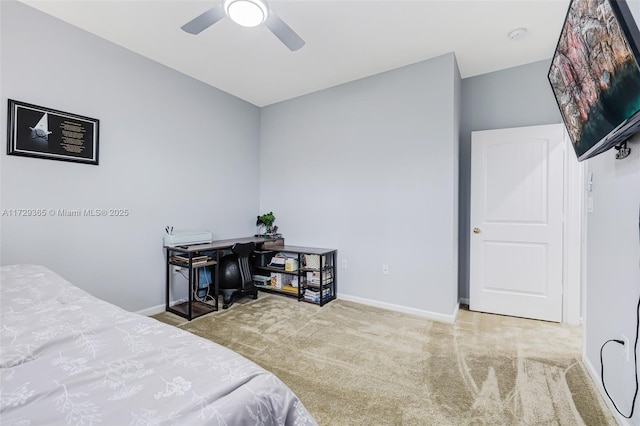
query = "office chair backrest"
{"x": 243, "y": 251}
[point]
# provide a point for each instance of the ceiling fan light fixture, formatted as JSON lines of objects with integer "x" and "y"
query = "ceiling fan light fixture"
{"x": 248, "y": 13}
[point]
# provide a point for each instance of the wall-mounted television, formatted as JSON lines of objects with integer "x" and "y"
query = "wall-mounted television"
{"x": 595, "y": 76}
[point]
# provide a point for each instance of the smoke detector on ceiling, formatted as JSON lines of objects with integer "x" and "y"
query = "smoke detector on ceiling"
{"x": 517, "y": 34}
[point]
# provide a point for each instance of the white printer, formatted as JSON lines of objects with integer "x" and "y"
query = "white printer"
{"x": 185, "y": 238}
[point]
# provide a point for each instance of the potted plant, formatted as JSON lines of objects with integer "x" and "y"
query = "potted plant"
{"x": 266, "y": 220}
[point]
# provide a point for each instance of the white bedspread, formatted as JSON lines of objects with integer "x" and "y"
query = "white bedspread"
{"x": 67, "y": 357}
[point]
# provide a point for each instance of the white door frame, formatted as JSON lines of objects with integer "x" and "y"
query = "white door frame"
{"x": 573, "y": 236}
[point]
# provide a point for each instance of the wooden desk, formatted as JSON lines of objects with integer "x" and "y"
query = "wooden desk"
{"x": 191, "y": 308}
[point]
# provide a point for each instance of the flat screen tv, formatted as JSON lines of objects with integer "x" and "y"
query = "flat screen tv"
{"x": 595, "y": 76}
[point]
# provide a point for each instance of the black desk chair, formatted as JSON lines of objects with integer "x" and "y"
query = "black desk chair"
{"x": 235, "y": 274}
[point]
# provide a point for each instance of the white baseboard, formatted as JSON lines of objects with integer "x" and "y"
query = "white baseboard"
{"x": 151, "y": 311}
{"x": 436, "y": 316}
{"x": 158, "y": 308}
{"x": 464, "y": 301}
{"x": 390, "y": 306}
{"x": 595, "y": 376}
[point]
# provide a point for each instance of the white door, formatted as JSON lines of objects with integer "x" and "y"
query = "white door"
{"x": 517, "y": 180}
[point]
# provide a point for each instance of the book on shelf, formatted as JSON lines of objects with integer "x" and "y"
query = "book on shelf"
{"x": 314, "y": 295}
{"x": 316, "y": 286}
{"x": 314, "y": 277}
{"x": 312, "y": 291}
{"x": 289, "y": 289}
{"x": 194, "y": 259}
{"x": 261, "y": 279}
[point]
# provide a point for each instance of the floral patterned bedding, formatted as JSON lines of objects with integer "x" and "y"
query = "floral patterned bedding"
{"x": 67, "y": 357}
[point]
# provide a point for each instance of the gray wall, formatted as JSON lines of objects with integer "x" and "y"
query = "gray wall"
{"x": 515, "y": 97}
{"x": 370, "y": 168}
{"x": 171, "y": 149}
{"x": 613, "y": 270}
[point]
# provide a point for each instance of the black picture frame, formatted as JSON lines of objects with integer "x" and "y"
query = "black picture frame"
{"x": 41, "y": 132}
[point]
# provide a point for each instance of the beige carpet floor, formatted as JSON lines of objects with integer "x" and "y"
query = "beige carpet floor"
{"x": 352, "y": 364}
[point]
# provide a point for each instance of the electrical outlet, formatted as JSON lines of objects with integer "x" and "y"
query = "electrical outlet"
{"x": 344, "y": 263}
{"x": 626, "y": 347}
{"x": 175, "y": 269}
{"x": 385, "y": 269}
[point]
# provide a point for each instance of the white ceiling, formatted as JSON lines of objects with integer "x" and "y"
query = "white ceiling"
{"x": 345, "y": 40}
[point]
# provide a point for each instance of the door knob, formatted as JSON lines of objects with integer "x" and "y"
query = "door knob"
{"x": 476, "y": 230}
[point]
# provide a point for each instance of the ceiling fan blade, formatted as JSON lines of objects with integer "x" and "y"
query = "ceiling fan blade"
{"x": 204, "y": 21}
{"x": 284, "y": 32}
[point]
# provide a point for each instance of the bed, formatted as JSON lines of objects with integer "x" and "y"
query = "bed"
{"x": 67, "y": 357}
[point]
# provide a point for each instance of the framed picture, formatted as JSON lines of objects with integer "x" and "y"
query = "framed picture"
{"x": 41, "y": 132}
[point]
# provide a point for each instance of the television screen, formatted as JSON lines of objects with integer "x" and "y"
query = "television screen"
{"x": 595, "y": 77}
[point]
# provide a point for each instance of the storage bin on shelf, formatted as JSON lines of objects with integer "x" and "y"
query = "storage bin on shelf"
{"x": 312, "y": 261}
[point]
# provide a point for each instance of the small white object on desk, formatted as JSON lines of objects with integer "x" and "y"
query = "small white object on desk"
{"x": 184, "y": 238}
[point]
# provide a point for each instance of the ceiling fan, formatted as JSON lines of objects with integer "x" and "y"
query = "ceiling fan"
{"x": 248, "y": 13}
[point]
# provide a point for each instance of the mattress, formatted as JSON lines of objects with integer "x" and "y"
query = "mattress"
{"x": 67, "y": 357}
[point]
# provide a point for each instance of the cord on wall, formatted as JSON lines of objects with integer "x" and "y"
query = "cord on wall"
{"x": 635, "y": 362}
{"x": 635, "y": 354}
